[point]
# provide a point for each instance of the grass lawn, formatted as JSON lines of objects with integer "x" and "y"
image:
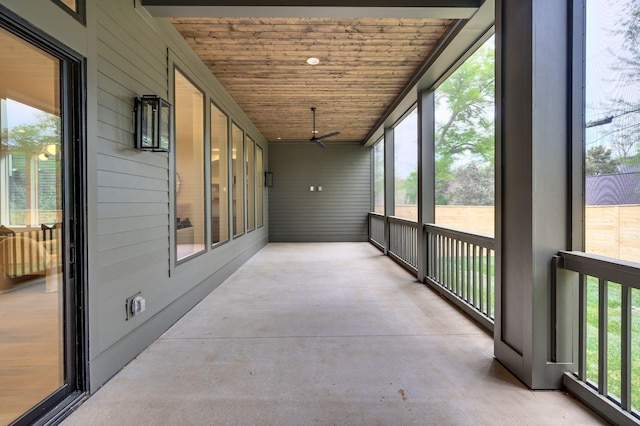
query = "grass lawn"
{"x": 484, "y": 279}
{"x": 614, "y": 354}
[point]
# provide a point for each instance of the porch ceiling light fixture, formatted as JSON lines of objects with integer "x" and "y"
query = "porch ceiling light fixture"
{"x": 152, "y": 123}
{"x": 313, "y": 61}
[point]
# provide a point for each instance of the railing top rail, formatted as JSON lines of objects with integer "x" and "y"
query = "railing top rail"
{"x": 477, "y": 239}
{"x": 375, "y": 214}
{"x": 607, "y": 268}
{"x": 407, "y": 222}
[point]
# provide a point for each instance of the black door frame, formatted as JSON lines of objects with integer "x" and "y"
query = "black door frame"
{"x": 75, "y": 318}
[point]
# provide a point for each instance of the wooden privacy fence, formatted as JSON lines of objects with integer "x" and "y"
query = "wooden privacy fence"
{"x": 612, "y": 231}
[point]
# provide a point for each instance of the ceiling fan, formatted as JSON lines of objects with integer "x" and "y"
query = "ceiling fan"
{"x": 318, "y": 139}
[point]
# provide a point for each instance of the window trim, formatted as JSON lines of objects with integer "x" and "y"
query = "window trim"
{"x": 214, "y": 104}
{"x": 373, "y": 174}
{"x": 247, "y": 179}
{"x": 205, "y": 250}
{"x": 260, "y": 187}
{"x": 242, "y": 229}
{"x": 80, "y": 15}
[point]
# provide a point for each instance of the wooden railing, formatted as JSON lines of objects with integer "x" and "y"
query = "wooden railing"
{"x": 403, "y": 242}
{"x": 376, "y": 230}
{"x": 462, "y": 264}
{"x": 608, "y": 334}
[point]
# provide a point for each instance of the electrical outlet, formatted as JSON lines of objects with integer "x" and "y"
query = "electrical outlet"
{"x": 134, "y": 305}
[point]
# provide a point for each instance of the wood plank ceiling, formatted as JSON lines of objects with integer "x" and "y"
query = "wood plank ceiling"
{"x": 364, "y": 65}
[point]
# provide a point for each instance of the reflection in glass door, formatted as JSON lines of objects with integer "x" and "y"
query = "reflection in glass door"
{"x": 32, "y": 214}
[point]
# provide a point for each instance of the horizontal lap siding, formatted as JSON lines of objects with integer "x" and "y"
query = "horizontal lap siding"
{"x": 132, "y": 186}
{"x": 339, "y": 212}
{"x": 132, "y": 245}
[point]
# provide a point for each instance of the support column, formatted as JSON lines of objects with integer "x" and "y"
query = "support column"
{"x": 426, "y": 174}
{"x": 389, "y": 183}
{"x": 533, "y": 140}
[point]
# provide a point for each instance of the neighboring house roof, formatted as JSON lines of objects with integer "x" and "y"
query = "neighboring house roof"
{"x": 613, "y": 189}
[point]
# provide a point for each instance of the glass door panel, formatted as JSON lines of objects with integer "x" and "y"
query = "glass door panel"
{"x": 31, "y": 230}
{"x": 251, "y": 184}
{"x": 237, "y": 156}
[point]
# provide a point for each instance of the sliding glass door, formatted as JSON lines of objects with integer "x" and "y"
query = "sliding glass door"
{"x": 38, "y": 296}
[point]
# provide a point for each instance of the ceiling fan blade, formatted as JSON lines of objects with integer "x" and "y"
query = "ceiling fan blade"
{"x": 330, "y": 135}
{"x": 317, "y": 140}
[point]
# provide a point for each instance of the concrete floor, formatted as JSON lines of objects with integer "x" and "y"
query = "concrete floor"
{"x": 323, "y": 334}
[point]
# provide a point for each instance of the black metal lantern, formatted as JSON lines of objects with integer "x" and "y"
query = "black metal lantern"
{"x": 268, "y": 179}
{"x": 153, "y": 123}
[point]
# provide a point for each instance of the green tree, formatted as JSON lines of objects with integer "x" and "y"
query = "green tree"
{"x": 25, "y": 143}
{"x": 34, "y": 138}
{"x": 409, "y": 187}
{"x": 599, "y": 162}
{"x": 467, "y": 95}
{"x": 472, "y": 184}
{"x": 467, "y": 128}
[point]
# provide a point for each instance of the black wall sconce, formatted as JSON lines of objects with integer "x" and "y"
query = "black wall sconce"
{"x": 152, "y": 123}
{"x": 268, "y": 179}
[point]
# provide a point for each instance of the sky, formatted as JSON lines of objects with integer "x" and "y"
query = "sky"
{"x": 604, "y": 83}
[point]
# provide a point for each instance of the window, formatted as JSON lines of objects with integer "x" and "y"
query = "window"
{"x": 378, "y": 177}
{"x": 237, "y": 161}
{"x": 405, "y": 137}
{"x": 219, "y": 176}
{"x": 612, "y": 134}
{"x": 251, "y": 184}
{"x": 74, "y": 7}
{"x": 465, "y": 145}
{"x": 260, "y": 185}
{"x": 190, "y": 209}
{"x": 31, "y": 165}
{"x": 612, "y": 184}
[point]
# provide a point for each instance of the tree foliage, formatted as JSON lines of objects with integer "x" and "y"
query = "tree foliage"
{"x": 599, "y": 161}
{"x": 466, "y": 132}
{"x": 34, "y": 138}
{"x": 629, "y": 30}
{"x": 472, "y": 184}
{"x": 625, "y": 136}
{"x": 408, "y": 187}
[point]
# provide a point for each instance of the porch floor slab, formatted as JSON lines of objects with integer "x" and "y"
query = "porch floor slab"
{"x": 323, "y": 334}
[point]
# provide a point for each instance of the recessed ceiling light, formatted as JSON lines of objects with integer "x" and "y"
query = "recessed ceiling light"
{"x": 313, "y": 61}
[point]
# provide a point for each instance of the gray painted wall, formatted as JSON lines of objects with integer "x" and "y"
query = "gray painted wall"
{"x": 131, "y": 204}
{"x": 338, "y": 212}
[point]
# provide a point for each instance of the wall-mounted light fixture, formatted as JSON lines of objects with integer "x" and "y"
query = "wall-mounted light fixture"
{"x": 268, "y": 179}
{"x": 152, "y": 123}
{"x": 48, "y": 152}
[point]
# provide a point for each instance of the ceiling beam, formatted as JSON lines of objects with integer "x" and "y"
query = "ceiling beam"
{"x": 436, "y": 9}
